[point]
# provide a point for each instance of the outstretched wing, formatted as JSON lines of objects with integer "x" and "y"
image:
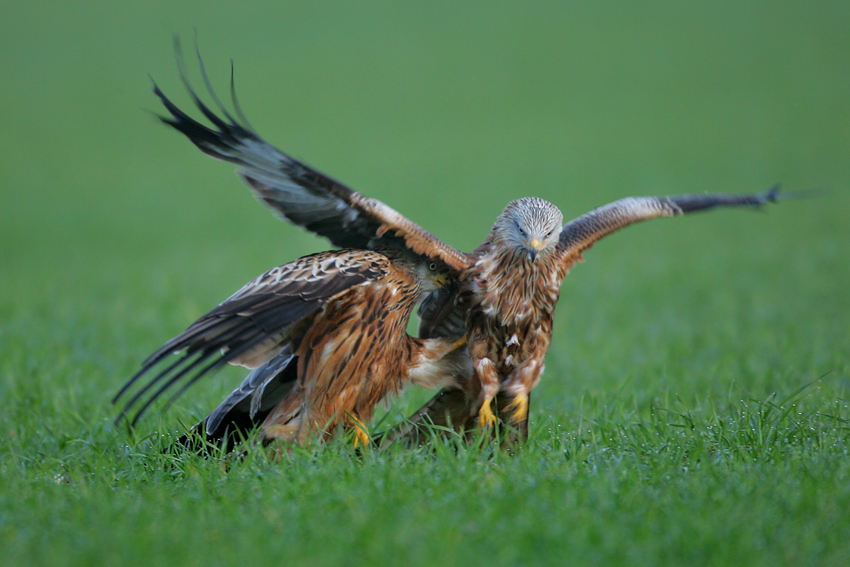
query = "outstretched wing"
{"x": 297, "y": 192}
{"x": 580, "y": 234}
{"x": 441, "y": 317}
{"x": 254, "y": 325}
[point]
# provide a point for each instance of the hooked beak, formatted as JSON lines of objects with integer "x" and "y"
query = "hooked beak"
{"x": 440, "y": 279}
{"x": 533, "y": 249}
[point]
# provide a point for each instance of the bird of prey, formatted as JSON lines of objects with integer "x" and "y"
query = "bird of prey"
{"x": 326, "y": 339}
{"x": 501, "y": 296}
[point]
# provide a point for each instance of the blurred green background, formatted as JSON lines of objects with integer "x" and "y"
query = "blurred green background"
{"x": 115, "y": 232}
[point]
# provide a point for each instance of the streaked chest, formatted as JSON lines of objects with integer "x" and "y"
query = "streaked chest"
{"x": 511, "y": 304}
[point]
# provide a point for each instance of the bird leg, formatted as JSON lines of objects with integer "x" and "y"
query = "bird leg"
{"x": 520, "y": 383}
{"x": 489, "y": 378}
{"x": 361, "y": 436}
{"x": 460, "y": 343}
{"x": 486, "y": 418}
{"x": 519, "y": 405}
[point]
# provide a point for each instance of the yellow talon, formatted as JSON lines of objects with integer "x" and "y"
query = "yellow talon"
{"x": 485, "y": 416}
{"x": 519, "y": 405}
{"x": 361, "y": 436}
{"x": 461, "y": 342}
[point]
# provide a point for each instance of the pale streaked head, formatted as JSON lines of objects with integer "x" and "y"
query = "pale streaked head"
{"x": 531, "y": 225}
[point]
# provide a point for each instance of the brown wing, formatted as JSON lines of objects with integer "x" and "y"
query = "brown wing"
{"x": 580, "y": 234}
{"x": 297, "y": 192}
{"x": 254, "y": 325}
{"x": 440, "y": 316}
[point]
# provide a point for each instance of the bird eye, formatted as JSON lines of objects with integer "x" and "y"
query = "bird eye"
{"x": 521, "y": 231}
{"x": 548, "y": 234}
{"x": 432, "y": 266}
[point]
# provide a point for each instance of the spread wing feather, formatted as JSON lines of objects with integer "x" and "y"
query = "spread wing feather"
{"x": 297, "y": 192}
{"x": 440, "y": 316}
{"x": 254, "y": 325}
{"x": 263, "y": 388}
{"x": 580, "y": 234}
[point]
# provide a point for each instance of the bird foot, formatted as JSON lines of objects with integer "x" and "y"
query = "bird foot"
{"x": 486, "y": 418}
{"x": 519, "y": 405}
{"x": 361, "y": 437}
{"x": 460, "y": 343}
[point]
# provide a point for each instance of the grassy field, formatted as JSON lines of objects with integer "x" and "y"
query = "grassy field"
{"x": 694, "y": 409}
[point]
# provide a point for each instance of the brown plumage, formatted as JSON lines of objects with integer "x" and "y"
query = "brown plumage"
{"x": 502, "y": 295}
{"x": 326, "y": 339}
{"x": 509, "y": 293}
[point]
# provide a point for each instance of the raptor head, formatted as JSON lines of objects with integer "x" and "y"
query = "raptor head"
{"x": 530, "y": 225}
{"x": 430, "y": 275}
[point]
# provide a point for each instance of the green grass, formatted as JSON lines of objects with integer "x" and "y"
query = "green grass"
{"x": 694, "y": 410}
